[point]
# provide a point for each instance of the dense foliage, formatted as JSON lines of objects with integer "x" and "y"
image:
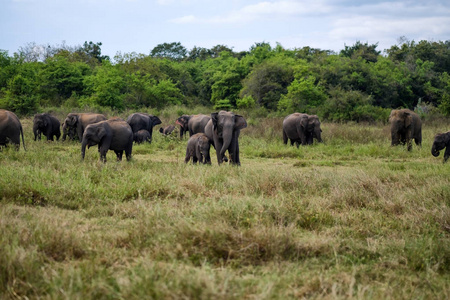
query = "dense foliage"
{"x": 357, "y": 84}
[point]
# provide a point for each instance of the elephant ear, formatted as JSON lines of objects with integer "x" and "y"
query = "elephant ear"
{"x": 214, "y": 118}
{"x": 240, "y": 122}
{"x": 72, "y": 120}
{"x": 155, "y": 120}
{"x": 101, "y": 132}
{"x": 447, "y": 138}
{"x": 304, "y": 121}
{"x": 408, "y": 119}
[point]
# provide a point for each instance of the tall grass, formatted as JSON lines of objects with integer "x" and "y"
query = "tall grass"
{"x": 352, "y": 217}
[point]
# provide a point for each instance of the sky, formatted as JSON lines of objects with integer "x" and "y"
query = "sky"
{"x": 127, "y": 26}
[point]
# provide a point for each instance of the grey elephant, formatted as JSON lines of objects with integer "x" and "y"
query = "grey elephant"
{"x": 405, "y": 126}
{"x": 79, "y": 121}
{"x": 114, "y": 134}
{"x": 198, "y": 147}
{"x": 142, "y": 136}
{"x": 193, "y": 123}
{"x": 441, "y": 141}
{"x": 46, "y": 124}
{"x": 301, "y": 129}
{"x": 68, "y": 131}
{"x": 139, "y": 121}
{"x": 167, "y": 130}
{"x": 10, "y": 129}
{"x": 223, "y": 130}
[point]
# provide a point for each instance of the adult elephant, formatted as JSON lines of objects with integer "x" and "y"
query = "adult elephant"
{"x": 10, "y": 129}
{"x": 79, "y": 121}
{"x": 114, "y": 134}
{"x": 405, "y": 126}
{"x": 441, "y": 141}
{"x": 301, "y": 129}
{"x": 139, "y": 121}
{"x": 47, "y": 125}
{"x": 223, "y": 130}
{"x": 193, "y": 123}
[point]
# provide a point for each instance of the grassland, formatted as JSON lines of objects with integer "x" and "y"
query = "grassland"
{"x": 351, "y": 218}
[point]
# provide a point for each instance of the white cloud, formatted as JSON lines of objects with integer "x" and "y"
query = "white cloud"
{"x": 262, "y": 10}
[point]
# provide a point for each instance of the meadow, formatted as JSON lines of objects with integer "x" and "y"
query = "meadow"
{"x": 350, "y": 218}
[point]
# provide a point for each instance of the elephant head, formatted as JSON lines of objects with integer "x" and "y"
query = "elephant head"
{"x": 227, "y": 126}
{"x": 441, "y": 140}
{"x": 92, "y": 136}
{"x": 183, "y": 122}
{"x": 313, "y": 129}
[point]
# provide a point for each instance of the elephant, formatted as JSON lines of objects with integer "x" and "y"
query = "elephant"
{"x": 405, "y": 125}
{"x": 47, "y": 125}
{"x": 141, "y": 136}
{"x": 193, "y": 123}
{"x": 441, "y": 141}
{"x": 113, "y": 134}
{"x": 139, "y": 121}
{"x": 198, "y": 149}
{"x": 223, "y": 130}
{"x": 10, "y": 129}
{"x": 301, "y": 129}
{"x": 167, "y": 130}
{"x": 68, "y": 131}
{"x": 79, "y": 121}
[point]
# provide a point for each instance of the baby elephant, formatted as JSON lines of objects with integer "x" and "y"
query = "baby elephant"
{"x": 198, "y": 148}
{"x": 441, "y": 141}
{"x": 167, "y": 130}
{"x": 142, "y": 136}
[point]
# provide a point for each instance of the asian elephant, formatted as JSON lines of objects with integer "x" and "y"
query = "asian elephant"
{"x": 139, "y": 121}
{"x": 198, "y": 149}
{"x": 301, "y": 129}
{"x": 10, "y": 129}
{"x": 79, "y": 121}
{"x": 193, "y": 123}
{"x": 113, "y": 134}
{"x": 167, "y": 130}
{"x": 223, "y": 130}
{"x": 68, "y": 131}
{"x": 405, "y": 126}
{"x": 142, "y": 136}
{"x": 47, "y": 125}
{"x": 441, "y": 141}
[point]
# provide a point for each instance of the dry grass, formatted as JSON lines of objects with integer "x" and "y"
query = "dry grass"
{"x": 349, "y": 218}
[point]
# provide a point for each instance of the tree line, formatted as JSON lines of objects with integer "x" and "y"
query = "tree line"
{"x": 360, "y": 83}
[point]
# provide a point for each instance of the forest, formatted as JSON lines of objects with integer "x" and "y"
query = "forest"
{"x": 360, "y": 83}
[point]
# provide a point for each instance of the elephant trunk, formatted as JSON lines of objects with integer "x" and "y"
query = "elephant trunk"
{"x": 227, "y": 136}
{"x": 83, "y": 148}
{"x": 434, "y": 151}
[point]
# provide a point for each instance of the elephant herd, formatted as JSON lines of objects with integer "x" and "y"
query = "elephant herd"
{"x": 220, "y": 130}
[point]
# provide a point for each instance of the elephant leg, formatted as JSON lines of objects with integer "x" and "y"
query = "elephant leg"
{"x": 285, "y": 138}
{"x": 119, "y": 155}
{"x": 446, "y": 153}
{"x": 103, "y": 151}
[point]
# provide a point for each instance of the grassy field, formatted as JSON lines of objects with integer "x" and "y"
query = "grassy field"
{"x": 351, "y": 218}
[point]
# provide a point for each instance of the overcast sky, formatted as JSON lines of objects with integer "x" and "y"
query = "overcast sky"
{"x": 140, "y": 25}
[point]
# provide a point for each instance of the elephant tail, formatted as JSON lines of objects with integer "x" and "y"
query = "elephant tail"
{"x": 23, "y": 141}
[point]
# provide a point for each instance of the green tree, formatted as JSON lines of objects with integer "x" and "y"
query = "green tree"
{"x": 106, "y": 87}
{"x": 268, "y": 81}
{"x": 174, "y": 51}
{"x": 365, "y": 51}
{"x": 304, "y": 95}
